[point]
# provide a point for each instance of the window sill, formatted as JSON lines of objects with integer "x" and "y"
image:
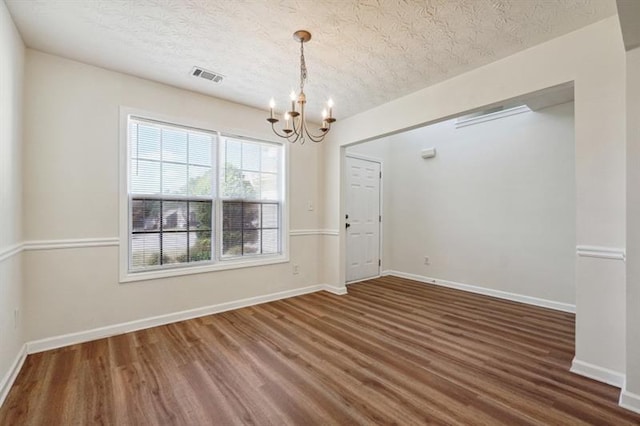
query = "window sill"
{"x": 223, "y": 265}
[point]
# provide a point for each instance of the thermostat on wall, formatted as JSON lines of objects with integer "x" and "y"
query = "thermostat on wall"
{"x": 428, "y": 153}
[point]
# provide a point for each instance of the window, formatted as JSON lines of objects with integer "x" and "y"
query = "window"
{"x": 250, "y": 194}
{"x": 200, "y": 198}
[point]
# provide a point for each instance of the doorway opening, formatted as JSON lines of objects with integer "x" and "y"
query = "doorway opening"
{"x": 483, "y": 202}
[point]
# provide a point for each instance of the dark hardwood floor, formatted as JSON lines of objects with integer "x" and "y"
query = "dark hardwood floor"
{"x": 392, "y": 351}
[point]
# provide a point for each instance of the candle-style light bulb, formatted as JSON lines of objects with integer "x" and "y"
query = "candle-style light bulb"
{"x": 324, "y": 113}
{"x": 293, "y": 100}
{"x": 330, "y": 105}
{"x": 286, "y": 120}
{"x": 272, "y": 105}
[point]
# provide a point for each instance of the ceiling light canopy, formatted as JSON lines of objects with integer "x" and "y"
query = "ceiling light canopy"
{"x": 295, "y": 122}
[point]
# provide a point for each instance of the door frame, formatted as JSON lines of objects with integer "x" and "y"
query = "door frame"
{"x": 380, "y": 209}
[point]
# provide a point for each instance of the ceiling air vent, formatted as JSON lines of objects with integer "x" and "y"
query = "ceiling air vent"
{"x": 207, "y": 75}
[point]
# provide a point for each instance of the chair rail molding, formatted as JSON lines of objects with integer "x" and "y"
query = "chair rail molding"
{"x": 614, "y": 253}
{"x": 70, "y": 243}
{"x": 10, "y": 251}
{"x": 113, "y": 241}
{"x": 302, "y": 232}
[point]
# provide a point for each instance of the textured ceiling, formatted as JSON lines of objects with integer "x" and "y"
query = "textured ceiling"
{"x": 363, "y": 53}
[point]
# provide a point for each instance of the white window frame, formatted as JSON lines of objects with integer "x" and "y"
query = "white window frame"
{"x": 218, "y": 263}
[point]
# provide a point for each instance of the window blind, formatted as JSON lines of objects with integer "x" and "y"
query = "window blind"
{"x": 171, "y": 195}
{"x": 251, "y": 196}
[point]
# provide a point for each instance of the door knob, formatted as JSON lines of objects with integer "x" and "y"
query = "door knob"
{"x": 346, "y": 225}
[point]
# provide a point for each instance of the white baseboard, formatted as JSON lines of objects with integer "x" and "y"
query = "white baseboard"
{"x": 558, "y": 306}
{"x": 595, "y": 372}
{"x": 363, "y": 279}
{"x": 12, "y": 374}
{"x": 127, "y": 327}
{"x": 340, "y": 291}
{"x": 630, "y": 401}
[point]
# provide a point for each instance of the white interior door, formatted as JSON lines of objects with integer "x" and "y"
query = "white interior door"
{"x": 363, "y": 218}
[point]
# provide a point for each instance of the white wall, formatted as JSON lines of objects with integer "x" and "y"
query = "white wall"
{"x": 495, "y": 208}
{"x": 11, "y": 94}
{"x": 593, "y": 58}
{"x": 71, "y": 192}
{"x": 633, "y": 224}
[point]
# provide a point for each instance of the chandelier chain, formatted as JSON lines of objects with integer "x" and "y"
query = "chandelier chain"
{"x": 303, "y": 67}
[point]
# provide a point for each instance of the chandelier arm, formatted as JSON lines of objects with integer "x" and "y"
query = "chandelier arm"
{"x": 316, "y": 138}
{"x": 284, "y": 135}
{"x": 299, "y": 130}
{"x": 296, "y": 139}
{"x": 297, "y": 119}
{"x": 296, "y": 131}
{"x": 305, "y": 127}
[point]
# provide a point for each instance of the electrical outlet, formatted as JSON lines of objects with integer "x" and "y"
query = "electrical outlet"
{"x": 16, "y": 318}
{"x": 427, "y": 261}
{"x": 296, "y": 269}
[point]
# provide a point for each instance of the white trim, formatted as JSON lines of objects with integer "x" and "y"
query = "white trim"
{"x": 629, "y": 400}
{"x": 123, "y": 191}
{"x": 362, "y": 157}
{"x": 70, "y": 243}
{"x": 223, "y": 265}
{"x": 11, "y": 251}
{"x": 111, "y": 242}
{"x": 595, "y": 372}
{"x": 363, "y": 279}
{"x": 12, "y": 374}
{"x": 601, "y": 252}
{"x": 464, "y": 122}
{"x": 301, "y": 232}
{"x": 340, "y": 291}
{"x": 529, "y": 300}
{"x": 112, "y": 330}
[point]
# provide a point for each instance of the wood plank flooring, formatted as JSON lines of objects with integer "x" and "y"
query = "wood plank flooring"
{"x": 392, "y": 351}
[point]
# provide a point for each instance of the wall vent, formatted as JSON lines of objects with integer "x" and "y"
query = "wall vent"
{"x": 206, "y": 74}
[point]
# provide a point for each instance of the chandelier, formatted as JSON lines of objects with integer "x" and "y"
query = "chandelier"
{"x": 295, "y": 122}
